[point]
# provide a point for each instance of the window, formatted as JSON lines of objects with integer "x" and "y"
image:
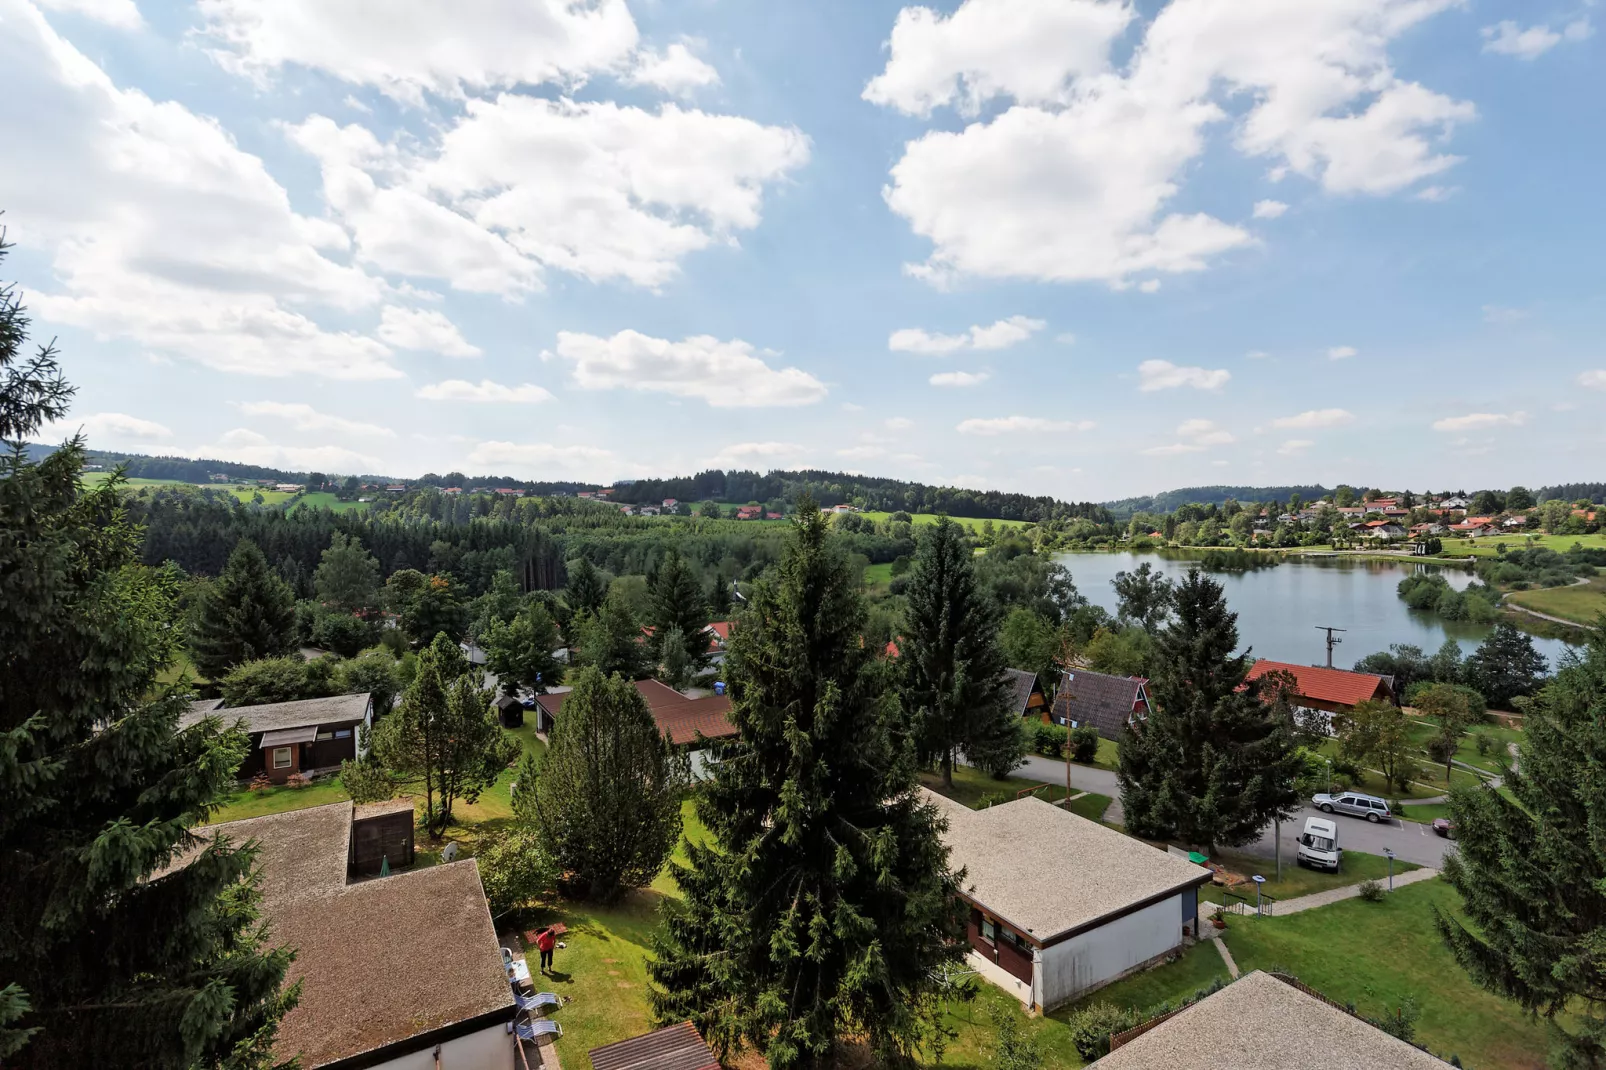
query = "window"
{"x": 281, "y": 757}
{"x": 323, "y": 735}
{"x": 989, "y": 932}
{"x": 343, "y": 733}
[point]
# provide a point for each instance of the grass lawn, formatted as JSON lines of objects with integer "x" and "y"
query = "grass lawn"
{"x": 971, "y": 786}
{"x": 1357, "y": 866}
{"x": 1091, "y": 806}
{"x": 246, "y": 803}
{"x": 1427, "y": 782}
{"x": 964, "y": 521}
{"x": 1375, "y": 954}
{"x": 323, "y": 499}
{"x": 1423, "y": 728}
{"x": 1108, "y": 756}
{"x": 1583, "y": 604}
{"x": 878, "y": 575}
{"x": 1489, "y": 545}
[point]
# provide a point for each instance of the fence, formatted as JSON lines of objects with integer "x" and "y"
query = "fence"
{"x": 1232, "y": 903}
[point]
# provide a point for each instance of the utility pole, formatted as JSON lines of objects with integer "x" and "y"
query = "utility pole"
{"x": 1331, "y": 642}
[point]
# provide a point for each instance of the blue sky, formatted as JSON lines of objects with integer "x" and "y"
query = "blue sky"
{"x": 1078, "y": 247}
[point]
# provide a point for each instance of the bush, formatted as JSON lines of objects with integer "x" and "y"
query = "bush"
{"x": 366, "y": 781}
{"x": 1049, "y": 740}
{"x": 296, "y": 780}
{"x": 1091, "y": 1028}
{"x": 1372, "y": 892}
{"x": 1084, "y": 744}
{"x": 515, "y": 871}
{"x": 1441, "y": 750}
{"x": 344, "y": 633}
{"x": 1483, "y": 743}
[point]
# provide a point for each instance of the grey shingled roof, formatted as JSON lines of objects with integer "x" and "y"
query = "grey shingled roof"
{"x": 1047, "y": 871}
{"x": 1098, "y": 699}
{"x": 338, "y": 709}
{"x": 1022, "y": 684}
{"x": 674, "y": 1047}
{"x": 1261, "y": 1023}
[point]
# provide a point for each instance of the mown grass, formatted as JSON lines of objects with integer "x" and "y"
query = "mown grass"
{"x": 1355, "y": 867}
{"x": 974, "y": 524}
{"x": 1584, "y": 604}
{"x": 972, "y": 786}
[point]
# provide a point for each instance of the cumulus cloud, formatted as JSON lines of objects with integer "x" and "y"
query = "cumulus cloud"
{"x": 1163, "y": 375}
{"x": 1197, "y": 435}
{"x": 1073, "y": 174}
{"x": 1507, "y": 38}
{"x": 1269, "y": 209}
{"x": 1008, "y": 425}
{"x": 748, "y": 453}
{"x": 484, "y": 391}
{"x": 1595, "y": 378}
{"x": 424, "y": 328}
{"x": 1295, "y": 447}
{"x": 252, "y": 447}
{"x": 674, "y": 70}
{"x": 1000, "y": 335}
{"x": 1481, "y": 421}
{"x": 724, "y": 374}
{"x": 898, "y": 423}
{"x": 304, "y": 417}
{"x": 1313, "y": 419}
{"x": 1341, "y": 352}
{"x": 862, "y": 453}
{"x": 543, "y": 457}
{"x": 123, "y": 14}
{"x": 958, "y": 379}
{"x": 106, "y": 425}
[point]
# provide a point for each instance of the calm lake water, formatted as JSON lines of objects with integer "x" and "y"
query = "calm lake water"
{"x": 1279, "y": 608}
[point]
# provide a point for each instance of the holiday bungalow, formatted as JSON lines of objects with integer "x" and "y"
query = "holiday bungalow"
{"x": 289, "y": 738}
{"x": 1475, "y": 525}
{"x": 1108, "y": 703}
{"x": 1060, "y": 905}
{"x": 681, "y": 719}
{"x": 1026, "y": 695}
{"x": 400, "y": 972}
{"x": 1328, "y": 690}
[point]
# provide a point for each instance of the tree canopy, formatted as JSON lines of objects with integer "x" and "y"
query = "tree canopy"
{"x": 246, "y": 613}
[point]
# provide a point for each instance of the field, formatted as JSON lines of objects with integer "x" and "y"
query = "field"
{"x": 1584, "y": 603}
{"x": 1489, "y": 545}
{"x": 244, "y": 492}
{"x": 1378, "y": 954}
{"x": 931, "y": 518}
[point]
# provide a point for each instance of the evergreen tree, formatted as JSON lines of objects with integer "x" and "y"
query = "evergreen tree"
{"x": 1532, "y": 872}
{"x": 347, "y": 578}
{"x": 676, "y": 602}
{"x": 1505, "y": 666}
{"x": 103, "y": 961}
{"x": 247, "y": 613}
{"x": 821, "y": 904}
{"x": 675, "y": 664}
{"x": 954, "y": 683}
{"x": 520, "y": 653}
{"x": 611, "y": 641}
{"x": 719, "y": 598}
{"x": 607, "y": 807}
{"x": 1213, "y": 762}
{"x": 586, "y": 591}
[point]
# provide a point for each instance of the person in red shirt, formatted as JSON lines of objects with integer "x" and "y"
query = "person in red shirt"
{"x": 546, "y": 941}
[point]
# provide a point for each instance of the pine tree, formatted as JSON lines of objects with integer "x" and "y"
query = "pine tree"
{"x": 677, "y": 605}
{"x": 586, "y": 591}
{"x": 954, "y": 683}
{"x": 1505, "y": 666}
{"x": 611, "y": 641}
{"x": 247, "y": 613}
{"x": 347, "y": 577}
{"x": 101, "y": 961}
{"x": 1532, "y": 872}
{"x": 822, "y": 904}
{"x": 607, "y": 806}
{"x": 1212, "y": 762}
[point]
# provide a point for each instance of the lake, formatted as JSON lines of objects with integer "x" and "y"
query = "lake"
{"x": 1280, "y": 608}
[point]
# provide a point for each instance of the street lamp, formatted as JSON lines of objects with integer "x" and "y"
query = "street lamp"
{"x": 1259, "y": 883}
{"x": 1388, "y": 852}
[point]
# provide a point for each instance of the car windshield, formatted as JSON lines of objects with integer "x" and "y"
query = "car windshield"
{"x": 1321, "y": 843}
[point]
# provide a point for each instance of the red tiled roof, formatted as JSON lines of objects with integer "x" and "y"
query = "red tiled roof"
{"x": 1338, "y": 686}
{"x": 683, "y": 721}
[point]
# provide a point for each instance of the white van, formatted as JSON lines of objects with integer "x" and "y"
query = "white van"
{"x": 1318, "y": 844}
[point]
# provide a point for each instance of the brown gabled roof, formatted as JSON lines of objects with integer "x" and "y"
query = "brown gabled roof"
{"x": 1022, "y": 684}
{"x": 1103, "y": 701}
{"x": 337, "y": 709}
{"x": 1338, "y": 686}
{"x": 684, "y": 721}
{"x": 674, "y": 1047}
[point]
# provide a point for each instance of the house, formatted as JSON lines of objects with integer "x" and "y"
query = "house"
{"x": 841, "y": 509}
{"x": 296, "y": 737}
{"x": 670, "y": 503}
{"x": 587, "y": 494}
{"x": 396, "y": 488}
{"x": 288, "y": 488}
{"x": 452, "y": 491}
{"x": 1060, "y": 905}
{"x": 399, "y": 972}
{"x": 1328, "y": 690}
{"x": 680, "y": 719}
{"x": 674, "y": 1047}
{"x": 1026, "y": 695}
{"x": 1262, "y": 1020}
{"x": 749, "y": 512}
{"x": 1511, "y": 523}
{"x": 773, "y": 516}
{"x": 1384, "y": 529}
{"x": 1420, "y": 530}
{"x": 509, "y": 492}
{"x": 1352, "y": 512}
{"x": 1108, "y": 703}
{"x": 719, "y": 637}
{"x": 1455, "y": 503}
{"x": 1474, "y": 526}
{"x": 647, "y": 510}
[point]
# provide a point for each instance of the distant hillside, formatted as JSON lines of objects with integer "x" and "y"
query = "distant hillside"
{"x": 1168, "y": 501}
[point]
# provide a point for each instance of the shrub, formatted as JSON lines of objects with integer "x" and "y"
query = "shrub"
{"x": 344, "y": 633}
{"x": 296, "y": 780}
{"x": 366, "y": 781}
{"x": 1483, "y": 743}
{"x": 1049, "y": 740}
{"x": 1091, "y": 1027}
{"x": 1372, "y": 892}
{"x": 1345, "y": 768}
{"x": 1441, "y": 750}
{"x": 515, "y": 871}
{"x": 1084, "y": 744}
{"x": 260, "y": 782}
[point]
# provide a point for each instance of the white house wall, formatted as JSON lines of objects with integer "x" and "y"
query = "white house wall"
{"x": 1088, "y": 959}
{"x": 490, "y": 1048}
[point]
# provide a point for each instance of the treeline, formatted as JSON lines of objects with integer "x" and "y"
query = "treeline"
{"x": 1571, "y": 492}
{"x": 1171, "y": 500}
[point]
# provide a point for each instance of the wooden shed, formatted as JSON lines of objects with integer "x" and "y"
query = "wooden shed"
{"x": 511, "y": 711}
{"x": 380, "y": 831}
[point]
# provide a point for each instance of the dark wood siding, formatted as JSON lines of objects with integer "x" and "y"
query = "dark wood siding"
{"x": 381, "y": 836}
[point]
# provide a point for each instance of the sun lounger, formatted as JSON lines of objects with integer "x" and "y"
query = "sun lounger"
{"x": 537, "y": 1027}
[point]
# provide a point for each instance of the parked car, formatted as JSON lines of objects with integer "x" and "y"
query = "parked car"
{"x": 1356, "y": 805}
{"x": 1444, "y": 827}
{"x": 1318, "y": 845}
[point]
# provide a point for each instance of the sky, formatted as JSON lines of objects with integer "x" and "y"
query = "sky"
{"x": 1086, "y": 248}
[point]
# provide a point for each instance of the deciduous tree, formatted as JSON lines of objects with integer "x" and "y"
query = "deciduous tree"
{"x": 1377, "y": 732}
{"x": 247, "y": 613}
{"x": 347, "y": 578}
{"x": 520, "y": 653}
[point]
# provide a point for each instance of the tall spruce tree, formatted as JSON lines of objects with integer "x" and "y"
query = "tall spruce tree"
{"x": 676, "y": 604}
{"x": 821, "y": 904}
{"x": 1505, "y": 666}
{"x": 1212, "y": 762}
{"x": 607, "y": 804}
{"x": 102, "y": 961}
{"x": 247, "y": 613}
{"x": 585, "y": 591}
{"x": 1532, "y": 872}
{"x": 954, "y": 684}
{"x": 347, "y": 577}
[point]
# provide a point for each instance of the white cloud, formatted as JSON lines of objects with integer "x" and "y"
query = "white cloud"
{"x": 543, "y": 457}
{"x": 484, "y": 391}
{"x": 1269, "y": 209}
{"x": 250, "y": 447}
{"x": 1595, "y": 379}
{"x": 1481, "y": 421}
{"x": 1501, "y": 314}
{"x": 122, "y": 14}
{"x": 1149, "y": 286}
{"x": 958, "y": 379}
{"x": 1341, "y": 352}
{"x": 160, "y": 230}
{"x": 850, "y": 406}
{"x": 1198, "y": 435}
{"x": 1005, "y": 425}
{"x": 724, "y": 374}
{"x": 1000, "y": 335}
{"x": 748, "y": 453}
{"x": 1295, "y": 447}
{"x": 898, "y": 423}
{"x": 1163, "y": 375}
{"x": 424, "y": 328}
{"x": 674, "y": 70}
{"x": 1436, "y": 193}
{"x": 1314, "y": 419}
{"x": 862, "y": 453}
{"x": 519, "y": 184}
{"x": 1507, "y": 38}
{"x": 304, "y": 417}
{"x": 1065, "y": 339}
{"x": 98, "y": 426}
{"x": 1075, "y": 175}
{"x": 1257, "y": 354}
{"x": 1173, "y": 449}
